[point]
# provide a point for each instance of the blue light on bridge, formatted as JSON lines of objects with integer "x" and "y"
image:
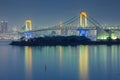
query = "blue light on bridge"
{"x": 28, "y": 35}
{"x": 83, "y": 32}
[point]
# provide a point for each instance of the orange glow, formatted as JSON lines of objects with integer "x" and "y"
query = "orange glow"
{"x": 60, "y": 55}
{"x": 28, "y": 25}
{"x": 60, "y": 52}
{"x": 83, "y": 62}
{"x": 83, "y": 19}
{"x": 28, "y": 62}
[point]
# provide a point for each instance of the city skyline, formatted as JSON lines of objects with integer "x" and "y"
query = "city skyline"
{"x": 45, "y": 12}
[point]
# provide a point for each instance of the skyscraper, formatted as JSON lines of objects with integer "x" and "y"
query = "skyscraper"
{"x": 3, "y": 26}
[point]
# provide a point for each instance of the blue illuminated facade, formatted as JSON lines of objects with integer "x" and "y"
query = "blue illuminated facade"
{"x": 83, "y": 32}
{"x": 28, "y": 35}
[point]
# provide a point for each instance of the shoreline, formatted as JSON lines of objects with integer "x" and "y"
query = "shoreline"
{"x": 63, "y": 41}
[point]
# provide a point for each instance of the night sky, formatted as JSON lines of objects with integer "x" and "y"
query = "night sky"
{"x": 50, "y": 12}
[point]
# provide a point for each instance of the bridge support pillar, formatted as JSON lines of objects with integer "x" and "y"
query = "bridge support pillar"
{"x": 28, "y": 27}
{"x": 83, "y": 19}
{"x": 83, "y": 32}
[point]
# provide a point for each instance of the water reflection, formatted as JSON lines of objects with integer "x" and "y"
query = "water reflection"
{"x": 60, "y": 59}
{"x": 104, "y": 62}
{"x": 60, "y": 55}
{"x": 83, "y": 62}
{"x": 114, "y": 59}
{"x": 101, "y": 59}
{"x": 28, "y": 62}
{"x": 92, "y": 62}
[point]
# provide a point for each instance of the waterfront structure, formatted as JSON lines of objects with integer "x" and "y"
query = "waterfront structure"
{"x": 75, "y": 26}
{"x": 28, "y": 25}
{"x": 3, "y": 26}
{"x": 61, "y": 27}
{"x": 83, "y": 19}
{"x": 83, "y": 23}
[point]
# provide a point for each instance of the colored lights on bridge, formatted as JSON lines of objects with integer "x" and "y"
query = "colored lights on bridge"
{"x": 28, "y": 25}
{"x": 28, "y": 35}
{"x": 105, "y": 36}
{"x": 83, "y": 32}
{"x": 91, "y": 32}
{"x": 83, "y": 19}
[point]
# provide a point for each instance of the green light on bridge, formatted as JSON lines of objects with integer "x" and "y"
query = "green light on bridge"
{"x": 105, "y": 36}
{"x": 114, "y": 36}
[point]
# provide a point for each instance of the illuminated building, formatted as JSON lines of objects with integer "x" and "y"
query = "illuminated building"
{"x": 4, "y": 26}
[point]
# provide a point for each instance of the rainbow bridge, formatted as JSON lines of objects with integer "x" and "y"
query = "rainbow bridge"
{"x": 80, "y": 25}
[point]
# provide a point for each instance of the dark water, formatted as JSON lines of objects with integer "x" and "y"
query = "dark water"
{"x": 60, "y": 63}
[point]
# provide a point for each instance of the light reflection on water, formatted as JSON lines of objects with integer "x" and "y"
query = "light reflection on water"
{"x": 60, "y": 63}
{"x": 28, "y": 62}
{"x": 60, "y": 60}
{"x": 83, "y": 63}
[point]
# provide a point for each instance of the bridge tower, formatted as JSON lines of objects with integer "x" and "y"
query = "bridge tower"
{"x": 83, "y": 23}
{"x": 83, "y": 19}
{"x": 28, "y": 25}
